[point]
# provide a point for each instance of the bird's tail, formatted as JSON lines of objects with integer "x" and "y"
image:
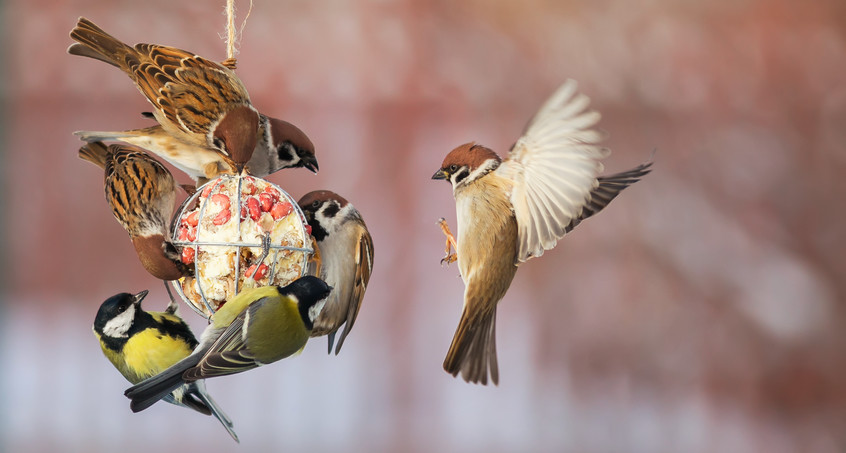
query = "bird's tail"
{"x": 145, "y": 393}
{"x": 473, "y": 349}
{"x": 96, "y": 152}
{"x": 608, "y": 188}
{"x": 95, "y": 43}
{"x": 101, "y": 136}
{"x": 197, "y": 389}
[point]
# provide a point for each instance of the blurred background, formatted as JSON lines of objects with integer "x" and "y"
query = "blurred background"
{"x": 702, "y": 311}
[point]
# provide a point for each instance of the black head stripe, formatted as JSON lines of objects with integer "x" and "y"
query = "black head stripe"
{"x": 461, "y": 174}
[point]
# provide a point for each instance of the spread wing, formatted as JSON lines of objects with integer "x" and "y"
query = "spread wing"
{"x": 554, "y": 168}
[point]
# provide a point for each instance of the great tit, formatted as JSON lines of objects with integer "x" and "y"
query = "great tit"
{"x": 141, "y": 344}
{"x": 254, "y": 328}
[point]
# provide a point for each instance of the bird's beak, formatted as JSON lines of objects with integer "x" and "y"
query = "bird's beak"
{"x": 310, "y": 162}
{"x": 139, "y": 297}
{"x": 440, "y": 174}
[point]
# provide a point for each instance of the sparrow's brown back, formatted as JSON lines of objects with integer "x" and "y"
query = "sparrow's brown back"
{"x": 190, "y": 93}
{"x": 139, "y": 189}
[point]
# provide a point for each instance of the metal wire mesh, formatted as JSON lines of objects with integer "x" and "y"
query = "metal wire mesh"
{"x": 281, "y": 245}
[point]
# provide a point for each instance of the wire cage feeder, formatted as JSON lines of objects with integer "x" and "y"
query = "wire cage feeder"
{"x": 238, "y": 231}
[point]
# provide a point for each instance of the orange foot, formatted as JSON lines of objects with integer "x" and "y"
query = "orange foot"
{"x": 450, "y": 243}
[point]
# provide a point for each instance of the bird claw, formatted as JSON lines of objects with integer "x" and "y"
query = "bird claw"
{"x": 450, "y": 243}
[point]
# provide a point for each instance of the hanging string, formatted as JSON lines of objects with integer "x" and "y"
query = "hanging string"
{"x": 232, "y": 34}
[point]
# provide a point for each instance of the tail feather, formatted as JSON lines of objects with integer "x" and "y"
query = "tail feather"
{"x": 609, "y": 187}
{"x": 100, "y": 136}
{"x": 198, "y": 389}
{"x": 147, "y": 392}
{"x": 95, "y": 43}
{"x": 473, "y": 350}
{"x": 97, "y": 153}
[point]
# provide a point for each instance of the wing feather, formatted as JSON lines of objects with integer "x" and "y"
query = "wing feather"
{"x": 554, "y": 168}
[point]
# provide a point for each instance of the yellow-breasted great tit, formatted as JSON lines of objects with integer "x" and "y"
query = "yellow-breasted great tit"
{"x": 142, "y": 344}
{"x": 254, "y": 328}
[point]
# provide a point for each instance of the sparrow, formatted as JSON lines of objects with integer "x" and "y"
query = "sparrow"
{"x": 140, "y": 344}
{"x": 280, "y": 145}
{"x": 511, "y": 210}
{"x": 257, "y": 327}
{"x": 141, "y": 193}
{"x": 346, "y": 260}
{"x": 197, "y": 101}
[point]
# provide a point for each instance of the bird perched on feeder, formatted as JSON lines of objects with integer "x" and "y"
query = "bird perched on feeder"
{"x": 141, "y": 193}
{"x": 141, "y": 344}
{"x": 346, "y": 254}
{"x": 257, "y": 327}
{"x": 197, "y": 101}
{"x": 510, "y": 211}
{"x": 280, "y": 145}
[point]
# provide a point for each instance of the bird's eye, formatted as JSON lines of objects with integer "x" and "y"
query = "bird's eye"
{"x": 315, "y": 205}
{"x": 453, "y": 168}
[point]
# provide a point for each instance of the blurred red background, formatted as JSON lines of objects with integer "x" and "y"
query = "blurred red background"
{"x": 702, "y": 311}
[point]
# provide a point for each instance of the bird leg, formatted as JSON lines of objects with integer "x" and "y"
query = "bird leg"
{"x": 450, "y": 243}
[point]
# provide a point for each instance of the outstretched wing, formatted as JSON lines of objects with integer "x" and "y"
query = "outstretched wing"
{"x": 554, "y": 168}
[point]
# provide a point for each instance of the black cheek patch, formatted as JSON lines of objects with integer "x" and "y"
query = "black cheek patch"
{"x": 284, "y": 153}
{"x": 331, "y": 210}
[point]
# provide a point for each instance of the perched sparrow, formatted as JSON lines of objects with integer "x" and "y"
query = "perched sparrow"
{"x": 512, "y": 210}
{"x": 280, "y": 145}
{"x": 141, "y": 193}
{"x": 346, "y": 252}
{"x": 197, "y": 101}
{"x": 254, "y": 328}
{"x": 141, "y": 344}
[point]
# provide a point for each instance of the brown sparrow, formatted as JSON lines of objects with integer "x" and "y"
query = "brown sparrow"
{"x": 141, "y": 193}
{"x": 346, "y": 260}
{"x": 197, "y": 101}
{"x": 512, "y": 210}
{"x": 280, "y": 145}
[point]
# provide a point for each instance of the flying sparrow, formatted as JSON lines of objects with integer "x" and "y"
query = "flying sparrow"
{"x": 141, "y": 193}
{"x": 197, "y": 101}
{"x": 280, "y": 145}
{"x": 346, "y": 258}
{"x": 510, "y": 211}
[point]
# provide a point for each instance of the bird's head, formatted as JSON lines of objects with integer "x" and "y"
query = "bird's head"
{"x": 466, "y": 164}
{"x": 310, "y": 293}
{"x": 236, "y": 135}
{"x": 289, "y": 146}
{"x": 324, "y": 210}
{"x": 117, "y": 314}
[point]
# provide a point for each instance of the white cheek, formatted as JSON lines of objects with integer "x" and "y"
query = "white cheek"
{"x": 118, "y": 326}
{"x": 314, "y": 310}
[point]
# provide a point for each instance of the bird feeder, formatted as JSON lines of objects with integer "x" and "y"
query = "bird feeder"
{"x": 238, "y": 231}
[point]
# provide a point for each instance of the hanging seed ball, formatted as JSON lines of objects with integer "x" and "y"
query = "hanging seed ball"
{"x": 238, "y": 232}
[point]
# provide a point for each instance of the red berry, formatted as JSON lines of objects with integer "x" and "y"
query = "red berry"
{"x": 222, "y": 217}
{"x": 260, "y": 273}
{"x": 207, "y": 190}
{"x": 254, "y": 207}
{"x": 281, "y": 209}
{"x": 308, "y": 229}
{"x": 266, "y": 201}
{"x": 192, "y": 234}
{"x": 193, "y": 219}
{"x": 221, "y": 200}
{"x": 188, "y": 255}
{"x": 272, "y": 192}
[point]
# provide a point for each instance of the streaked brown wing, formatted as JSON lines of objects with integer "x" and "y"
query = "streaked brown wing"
{"x": 364, "y": 267}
